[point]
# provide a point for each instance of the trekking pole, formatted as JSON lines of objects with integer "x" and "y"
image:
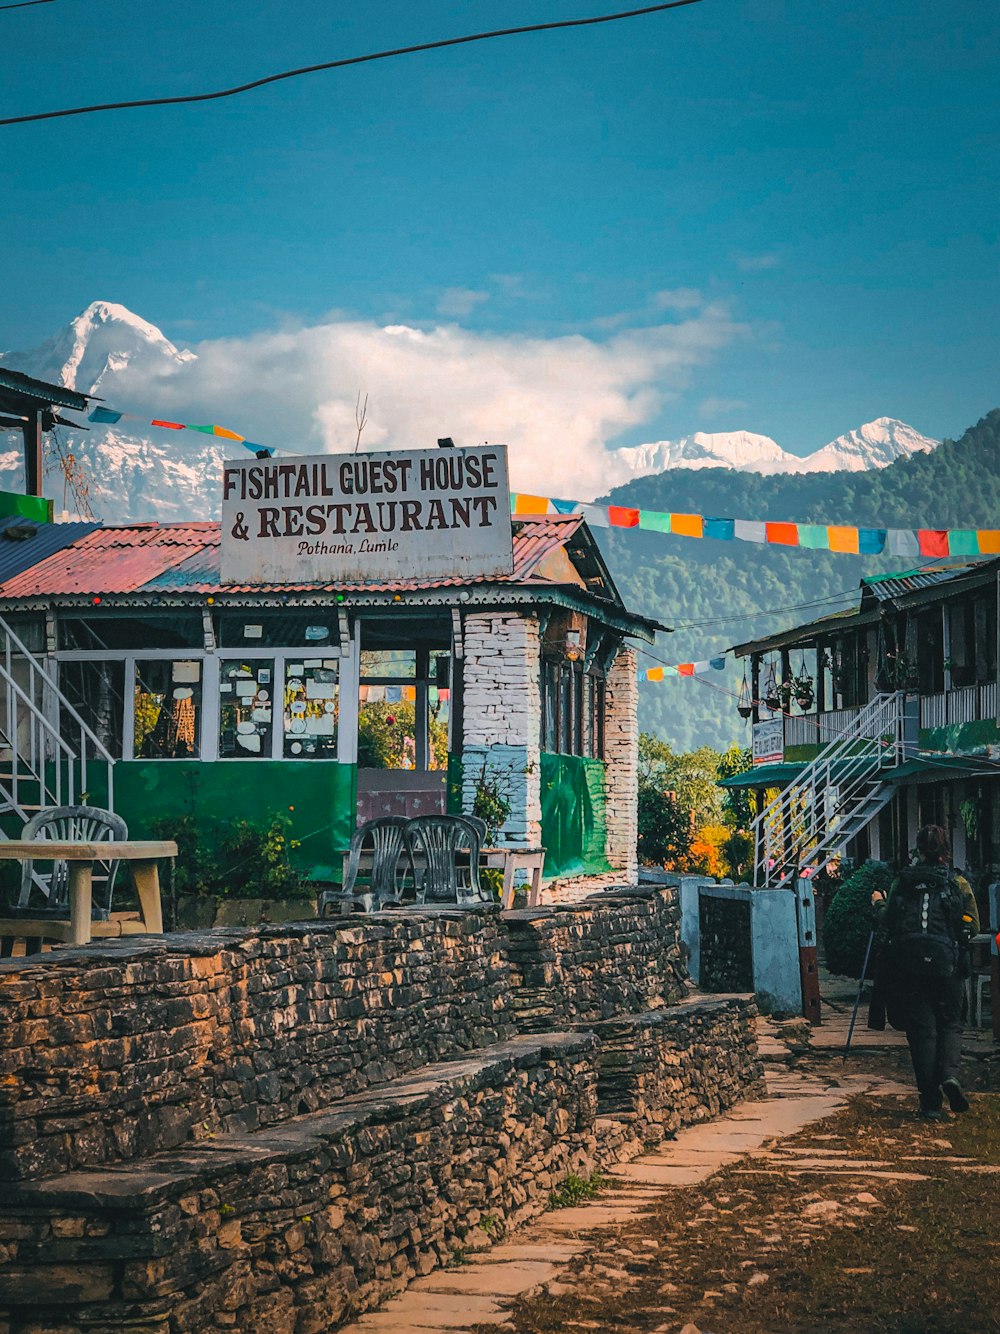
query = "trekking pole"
{"x": 857, "y": 1001}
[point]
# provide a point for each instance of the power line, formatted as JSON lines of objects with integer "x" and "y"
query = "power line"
{"x": 24, "y": 4}
{"x": 342, "y": 64}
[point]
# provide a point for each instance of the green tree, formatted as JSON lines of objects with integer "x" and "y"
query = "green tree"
{"x": 738, "y": 803}
{"x": 693, "y": 777}
{"x": 665, "y": 830}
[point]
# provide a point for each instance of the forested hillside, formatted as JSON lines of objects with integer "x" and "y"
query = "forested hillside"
{"x": 716, "y": 594}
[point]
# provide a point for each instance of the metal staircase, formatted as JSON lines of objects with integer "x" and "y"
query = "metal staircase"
{"x": 48, "y": 754}
{"x": 834, "y": 797}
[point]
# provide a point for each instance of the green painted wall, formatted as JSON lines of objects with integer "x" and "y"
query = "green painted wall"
{"x": 574, "y": 815}
{"x": 960, "y": 738}
{"x": 320, "y": 797}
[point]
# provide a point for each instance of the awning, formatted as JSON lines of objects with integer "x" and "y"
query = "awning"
{"x": 940, "y": 767}
{"x": 764, "y": 775}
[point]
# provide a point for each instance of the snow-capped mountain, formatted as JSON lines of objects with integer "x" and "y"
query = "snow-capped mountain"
{"x": 874, "y": 445}
{"x": 136, "y": 473}
{"x": 129, "y": 475}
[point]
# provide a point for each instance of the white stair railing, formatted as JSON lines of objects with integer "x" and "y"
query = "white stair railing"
{"x": 47, "y": 751}
{"x": 833, "y": 798}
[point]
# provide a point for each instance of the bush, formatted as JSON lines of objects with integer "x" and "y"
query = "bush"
{"x": 664, "y": 827}
{"x": 234, "y": 859}
{"x": 850, "y": 918}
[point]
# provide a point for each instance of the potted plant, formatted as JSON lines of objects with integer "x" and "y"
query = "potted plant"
{"x": 802, "y": 687}
{"x": 772, "y": 698}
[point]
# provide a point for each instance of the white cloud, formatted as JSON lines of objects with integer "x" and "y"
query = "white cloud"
{"x": 757, "y": 263}
{"x": 718, "y": 407}
{"x": 457, "y": 302}
{"x": 558, "y": 403}
{"x": 676, "y": 298}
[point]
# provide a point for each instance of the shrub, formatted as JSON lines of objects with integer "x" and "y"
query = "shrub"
{"x": 664, "y": 827}
{"x": 850, "y": 918}
{"x": 233, "y": 859}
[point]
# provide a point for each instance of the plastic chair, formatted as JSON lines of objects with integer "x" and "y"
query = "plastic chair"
{"x": 437, "y": 841}
{"x": 70, "y": 824}
{"x": 385, "y": 834}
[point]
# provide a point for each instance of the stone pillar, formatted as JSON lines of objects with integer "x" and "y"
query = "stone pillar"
{"x": 621, "y": 753}
{"x": 502, "y": 711}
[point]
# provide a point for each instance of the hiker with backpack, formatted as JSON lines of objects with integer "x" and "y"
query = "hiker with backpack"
{"x": 929, "y": 918}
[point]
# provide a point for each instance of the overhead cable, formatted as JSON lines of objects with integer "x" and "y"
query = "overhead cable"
{"x": 342, "y": 64}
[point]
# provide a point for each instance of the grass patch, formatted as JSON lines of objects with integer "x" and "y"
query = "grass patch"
{"x": 575, "y": 1189}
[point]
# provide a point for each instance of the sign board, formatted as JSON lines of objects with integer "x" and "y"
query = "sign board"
{"x": 367, "y": 518}
{"x": 768, "y": 741}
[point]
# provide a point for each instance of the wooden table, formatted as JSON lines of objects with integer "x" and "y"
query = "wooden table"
{"x": 143, "y": 855}
{"x": 510, "y": 860}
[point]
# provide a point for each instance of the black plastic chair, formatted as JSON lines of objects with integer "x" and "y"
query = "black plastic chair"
{"x": 434, "y": 843}
{"x": 385, "y": 836}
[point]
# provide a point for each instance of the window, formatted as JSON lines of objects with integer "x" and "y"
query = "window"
{"x": 572, "y": 709}
{"x": 180, "y": 629}
{"x": 404, "y": 708}
{"x": 246, "y": 708}
{"x": 97, "y": 691}
{"x": 311, "y": 708}
{"x": 167, "y": 710}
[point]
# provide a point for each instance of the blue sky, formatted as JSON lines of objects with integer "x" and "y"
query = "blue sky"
{"x": 817, "y": 184}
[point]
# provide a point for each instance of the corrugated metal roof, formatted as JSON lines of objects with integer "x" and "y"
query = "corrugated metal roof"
{"x": 20, "y": 386}
{"x": 184, "y": 558}
{"x": 884, "y": 587}
{"x": 49, "y": 538}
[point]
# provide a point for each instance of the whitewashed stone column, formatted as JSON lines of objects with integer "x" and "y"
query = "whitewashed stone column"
{"x": 621, "y": 754}
{"x": 502, "y": 711}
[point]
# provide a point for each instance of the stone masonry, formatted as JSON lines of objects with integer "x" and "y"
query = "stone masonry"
{"x": 277, "y": 1128}
{"x": 502, "y": 711}
{"x": 621, "y": 752}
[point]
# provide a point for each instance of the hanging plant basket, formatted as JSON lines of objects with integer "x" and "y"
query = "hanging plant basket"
{"x": 744, "y": 702}
{"x": 772, "y": 699}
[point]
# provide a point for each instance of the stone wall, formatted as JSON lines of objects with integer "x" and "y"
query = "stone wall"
{"x": 673, "y": 1067}
{"x": 502, "y": 714}
{"x": 277, "y": 1128}
{"x": 621, "y": 751}
{"x": 126, "y": 1047}
{"x": 298, "y": 1227}
{"x": 612, "y": 954}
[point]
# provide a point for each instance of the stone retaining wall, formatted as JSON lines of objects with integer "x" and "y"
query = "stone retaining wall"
{"x": 614, "y": 953}
{"x": 298, "y": 1227}
{"x": 128, "y": 1047}
{"x": 276, "y": 1128}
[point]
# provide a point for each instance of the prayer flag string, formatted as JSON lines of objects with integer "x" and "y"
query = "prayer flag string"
{"x": 108, "y": 417}
{"x": 905, "y": 542}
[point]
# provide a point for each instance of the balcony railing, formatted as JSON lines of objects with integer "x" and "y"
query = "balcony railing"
{"x": 818, "y": 729}
{"x": 969, "y": 704}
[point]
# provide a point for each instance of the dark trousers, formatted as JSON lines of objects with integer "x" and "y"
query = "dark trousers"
{"x": 933, "y": 1009}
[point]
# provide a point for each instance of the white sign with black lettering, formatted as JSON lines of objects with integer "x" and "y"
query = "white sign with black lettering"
{"x": 367, "y": 518}
{"x": 768, "y": 741}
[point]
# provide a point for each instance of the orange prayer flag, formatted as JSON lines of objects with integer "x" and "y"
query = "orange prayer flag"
{"x": 782, "y": 534}
{"x": 989, "y": 541}
{"x": 654, "y": 674}
{"x": 531, "y": 504}
{"x": 843, "y": 539}
{"x": 620, "y": 516}
{"x": 688, "y": 525}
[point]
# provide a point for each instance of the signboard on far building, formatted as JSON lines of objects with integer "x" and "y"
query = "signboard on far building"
{"x": 768, "y": 741}
{"x": 367, "y": 518}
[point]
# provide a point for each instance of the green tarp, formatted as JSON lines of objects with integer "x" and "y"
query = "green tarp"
{"x": 574, "y": 815}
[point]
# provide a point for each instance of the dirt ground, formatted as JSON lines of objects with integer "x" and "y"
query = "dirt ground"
{"x": 868, "y": 1221}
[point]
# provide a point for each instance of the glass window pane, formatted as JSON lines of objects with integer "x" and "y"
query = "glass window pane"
{"x": 387, "y": 727}
{"x": 97, "y": 692}
{"x": 179, "y": 629}
{"x": 246, "y": 708}
{"x": 311, "y": 709}
{"x": 167, "y": 723}
{"x": 249, "y": 628}
{"x": 398, "y": 664}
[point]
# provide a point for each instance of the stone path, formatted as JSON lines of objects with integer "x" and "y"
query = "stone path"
{"x": 479, "y": 1291}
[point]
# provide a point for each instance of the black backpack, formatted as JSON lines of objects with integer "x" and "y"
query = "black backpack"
{"x": 926, "y": 933}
